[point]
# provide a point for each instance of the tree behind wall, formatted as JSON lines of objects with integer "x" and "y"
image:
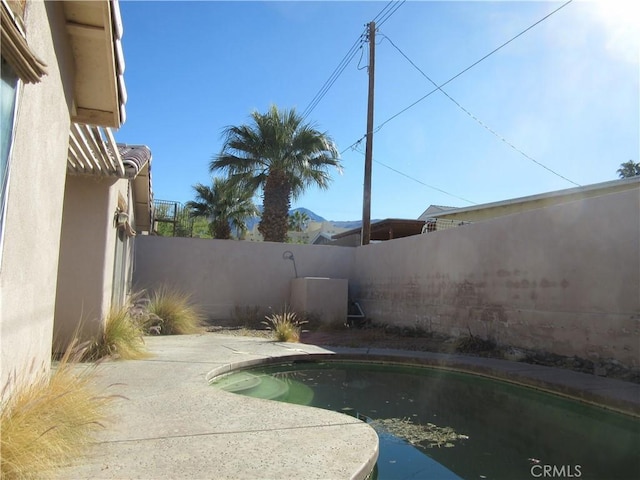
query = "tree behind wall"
{"x": 172, "y": 219}
{"x": 629, "y": 169}
{"x": 224, "y": 205}
{"x": 298, "y": 221}
{"x": 281, "y": 155}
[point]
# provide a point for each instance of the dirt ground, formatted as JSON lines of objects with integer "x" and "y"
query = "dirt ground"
{"x": 373, "y": 338}
{"x": 379, "y": 337}
{"x": 353, "y": 338}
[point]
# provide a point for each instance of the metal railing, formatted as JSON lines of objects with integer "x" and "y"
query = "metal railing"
{"x": 437, "y": 224}
{"x": 172, "y": 219}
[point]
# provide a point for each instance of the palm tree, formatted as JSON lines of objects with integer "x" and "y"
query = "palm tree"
{"x": 281, "y": 155}
{"x": 225, "y": 205}
{"x": 629, "y": 169}
{"x": 298, "y": 221}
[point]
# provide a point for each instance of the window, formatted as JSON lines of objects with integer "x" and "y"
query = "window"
{"x": 8, "y": 105}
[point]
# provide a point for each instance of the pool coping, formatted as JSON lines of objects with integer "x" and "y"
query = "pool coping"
{"x": 612, "y": 394}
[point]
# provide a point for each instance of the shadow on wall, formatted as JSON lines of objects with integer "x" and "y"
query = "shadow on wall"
{"x": 534, "y": 279}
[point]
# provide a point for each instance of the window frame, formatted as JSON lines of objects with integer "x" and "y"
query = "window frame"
{"x": 5, "y": 177}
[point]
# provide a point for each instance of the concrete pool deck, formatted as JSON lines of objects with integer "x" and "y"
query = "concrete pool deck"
{"x": 171, "y": 424}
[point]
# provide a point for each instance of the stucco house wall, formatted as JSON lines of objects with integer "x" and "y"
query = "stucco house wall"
{"x": 67, "y": 77}
{"x": 28, "y": 272}
{"x": 563, "y": 279}
{"x": 87, "y": 255}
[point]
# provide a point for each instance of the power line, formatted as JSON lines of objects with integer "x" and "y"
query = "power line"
{"x": 353, "y": 145}
{"x": 422, "y": 183}
{"x": 383, "y": 11}
{"x": 418, "y": 181}
{"x": 358, "y": 141}
{"x": 471, "y": 66}
{"x": 384, "y": 15}
{"x": 334, "y": 75}
{"x": 485, "y": 126}
{"x": 389, "y": 14}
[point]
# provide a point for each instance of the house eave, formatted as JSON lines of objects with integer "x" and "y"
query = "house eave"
{"x": 99, "y": 91}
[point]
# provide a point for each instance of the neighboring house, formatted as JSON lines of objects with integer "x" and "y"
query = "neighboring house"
{"x": 486, "y": 211}
{"x": 434, "y": 211}
{"x": 62, "y": 76}
{"x": 316, "y": 233}
{"x": 322, "y": 238}
{"x": 381, "y": 230}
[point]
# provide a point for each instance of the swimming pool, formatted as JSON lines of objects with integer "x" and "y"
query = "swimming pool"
{"x": 434, "y": 423}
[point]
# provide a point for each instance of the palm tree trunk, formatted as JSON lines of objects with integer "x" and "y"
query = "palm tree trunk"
{"x": 221, "y": 229}
{"x": 276, "y": 203}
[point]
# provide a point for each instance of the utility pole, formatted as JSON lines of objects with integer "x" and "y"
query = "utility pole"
{"x": 368, "y": 156}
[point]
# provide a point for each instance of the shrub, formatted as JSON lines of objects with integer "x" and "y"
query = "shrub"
{"x": 246, "y": 316}
{"x": 172, "y": 311}
{"x": 476, "y": 345}
{"x": 122, "y": 338}
{"x": 286, "y": 326}
{"x": 48, "y": 423}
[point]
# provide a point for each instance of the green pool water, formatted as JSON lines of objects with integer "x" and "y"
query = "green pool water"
{"x": 439, "y": 424}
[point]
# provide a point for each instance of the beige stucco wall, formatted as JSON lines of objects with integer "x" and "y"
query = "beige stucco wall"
{"x": 321, "y": 299}
{"x": 225, "y": 274}
{"x": 564, "y": 279}
{"x": 28, "y": 274}
{"x": 87, "y": 253}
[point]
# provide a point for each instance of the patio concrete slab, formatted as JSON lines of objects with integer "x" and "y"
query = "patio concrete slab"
{"x": 173, "y": 424}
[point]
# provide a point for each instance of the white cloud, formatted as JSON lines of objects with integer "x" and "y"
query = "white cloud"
{"x": 621, "y": 21}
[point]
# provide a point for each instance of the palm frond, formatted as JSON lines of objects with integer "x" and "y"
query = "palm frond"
{"x": 226, "y": 201}
{"x": 276, "y": 145}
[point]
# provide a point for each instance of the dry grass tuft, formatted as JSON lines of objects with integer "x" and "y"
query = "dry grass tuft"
{"x": 286, "y": 326}
{"x": 49, "y": 423}
{"x": 122, "y": 338}
{"x": 473, "y": 344}
{"x": 173, "y": 312}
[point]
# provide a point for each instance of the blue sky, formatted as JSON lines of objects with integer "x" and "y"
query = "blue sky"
{"x": 565, "y": 93}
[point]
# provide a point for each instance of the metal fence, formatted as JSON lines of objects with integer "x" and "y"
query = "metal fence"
{"x": 172, "y": 219}
{"x": 437, "y": 224}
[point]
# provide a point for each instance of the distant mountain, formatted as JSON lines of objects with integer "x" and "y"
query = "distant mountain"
{"x": 348, "y": 224}
{"x": 253, "y": 221}
{"x": 314, "y": 217}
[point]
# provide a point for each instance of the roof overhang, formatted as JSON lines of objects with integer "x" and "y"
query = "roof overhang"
{"x": 15, "y": 48}
{"x": 389, "y": 229}
{"x": 143, "y": 199}
{"x": 138, "y": 158}
{"x": 95, "y": 30}
{"x": 94, "y": 152}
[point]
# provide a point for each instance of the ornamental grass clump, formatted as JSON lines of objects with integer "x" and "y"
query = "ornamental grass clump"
{"x": 172, "y": 313}
{"x": 286, "y": 326}
{"x": 121, "y": 338}
{"x": 50, "y": 422}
